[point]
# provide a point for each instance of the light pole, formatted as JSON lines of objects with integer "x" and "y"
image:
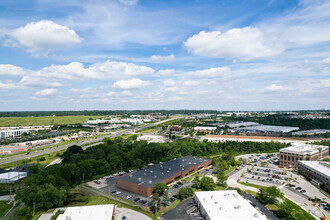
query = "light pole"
{"x": 156, "y": 208}
{"x": 34, "y": 207}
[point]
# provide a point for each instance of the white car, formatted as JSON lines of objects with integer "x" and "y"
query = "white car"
{"x": 118, "y": 192}
{"x": 128, "y": 197}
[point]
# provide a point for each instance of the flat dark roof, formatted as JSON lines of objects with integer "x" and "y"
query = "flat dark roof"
{"x": 150, "y": 176}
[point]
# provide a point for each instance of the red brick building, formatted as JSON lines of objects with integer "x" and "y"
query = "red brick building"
{"x": 143, "y": 181}
{"x": 289, "y": 156}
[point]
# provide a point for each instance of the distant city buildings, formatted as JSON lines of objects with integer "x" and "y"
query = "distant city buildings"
{"x": 143, "y": 181}
{"x": 13, "y": 149}
{"x": 205, "y": 129}
{"x": 13, "y": 133}
{"x": 267, "y": 129}
{"x": 175, "y": 128}
{"x": 289, "y": 156}
{"x": 226, "y": 204}
{"x": 310, "y": 132}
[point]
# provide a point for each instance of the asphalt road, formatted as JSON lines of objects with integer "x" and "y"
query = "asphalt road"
{"x": 183, "y": 211}
{"x": 92, "y": 142}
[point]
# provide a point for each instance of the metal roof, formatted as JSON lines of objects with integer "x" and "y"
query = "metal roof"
{"x": 158, "y": 173}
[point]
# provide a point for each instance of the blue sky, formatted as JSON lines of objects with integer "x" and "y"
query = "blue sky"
{"x": 136, "y": 54}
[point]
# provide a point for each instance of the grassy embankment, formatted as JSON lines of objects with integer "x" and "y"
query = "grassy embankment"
{"x": 79, "y": 198}
{"x": 39, "y": 121}
{"x": 4, "y": 208}
{"x": 299, "y": 212}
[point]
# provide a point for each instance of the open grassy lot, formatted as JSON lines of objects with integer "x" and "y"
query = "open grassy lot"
{"x": 4, "y": 208}
{"x": 147, "y": 130}
{"x": 38, "y": 121}
{"x": 48, "y": 158}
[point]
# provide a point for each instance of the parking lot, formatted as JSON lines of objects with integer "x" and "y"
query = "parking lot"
{"x": 291, "y": 184}
{"x": 108, "y": 185}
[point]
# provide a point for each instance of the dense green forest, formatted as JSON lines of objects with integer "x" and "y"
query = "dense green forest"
{"x": 102, "y": 112}
{"x": 49, "y": 187}
{"x": 283, "y": 120}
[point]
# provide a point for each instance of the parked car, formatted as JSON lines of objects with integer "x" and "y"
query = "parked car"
{"x": 303, "y": 191}
{"x": 179, "y": 183}
{"x": 128, "y": 197}
{"x": 176, "y": 186}
{"x": 113, "y": 191}
{"x": 298, "y": 188}
{"x": 136, "y": 199}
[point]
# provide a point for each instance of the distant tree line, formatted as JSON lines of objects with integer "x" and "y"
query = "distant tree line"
{"x": 102, "y": 112}
{"x": 49, "y": 187}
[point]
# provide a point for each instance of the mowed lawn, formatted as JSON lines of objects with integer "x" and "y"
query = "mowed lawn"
{"x": 56, "y": 120}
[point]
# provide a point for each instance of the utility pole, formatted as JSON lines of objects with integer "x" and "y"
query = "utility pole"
{"x": 109, "y": 192}
{"x": 34, "y": 207}
{"x": 10, "y": 192}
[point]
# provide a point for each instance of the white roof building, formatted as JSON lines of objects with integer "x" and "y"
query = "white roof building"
{"x": 205, "y": 128}
{"x": 226, "y": 204}
{"x": 11, "y": 177}
{"x": 99, "y": 212}
{"x": 304, "y": 149}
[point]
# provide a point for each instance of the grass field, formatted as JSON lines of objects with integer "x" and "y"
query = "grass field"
{"x": 38, "y": 121}
{"x": 147, "y": 130}
{"x": 4, "y": 208}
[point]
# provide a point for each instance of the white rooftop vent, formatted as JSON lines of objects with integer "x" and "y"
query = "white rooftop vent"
{"x": 139, "y": 179}
{"x": 212, "y": 197}
{"x": 182, "y": 168}
{"x": 150, "y": 181}
{"x": 130, "y": 175}
{"x": 144, "y": 174}
{"x": 155, "y": 176}
{"x": 162, "y": 173}
{"x": 256, "y": 215}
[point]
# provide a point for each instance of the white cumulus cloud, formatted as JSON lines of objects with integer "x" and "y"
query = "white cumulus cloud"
{"x": 11, "y": 70}
{"x": 243, "y": 43}
{"x": 213, "y": 72}
{"x": 166, "y": 72}
{"x": 46, "y": 92}
{"x": 159, "y": 57}
{"x": 130, "y": 84}
{"x": 44, "y": 35}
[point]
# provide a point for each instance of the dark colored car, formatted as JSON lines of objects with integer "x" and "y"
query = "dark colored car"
{"x": 303, "y": 191}
{"x": 113, "y": 191}
{"x": 298, "y": 188}
{"x": 136, "y": 199}
{"x": 176, "y": 186}
{"x": 180, "y": 183}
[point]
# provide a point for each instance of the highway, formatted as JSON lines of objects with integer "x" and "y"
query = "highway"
{"x": 90, "y": 142}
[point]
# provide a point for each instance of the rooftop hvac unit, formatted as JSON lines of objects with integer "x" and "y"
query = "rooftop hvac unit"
{"x": 256, "y": 215}
{"x": 144, "y": 174}
{"x": 139, "y": 179}
{"x": 155, "y": 177}
{"x": 150, "y": 181}
{"x": 130, "y": 175}
{"x": 150, "y": 171}
{"x": 162, "y": 173}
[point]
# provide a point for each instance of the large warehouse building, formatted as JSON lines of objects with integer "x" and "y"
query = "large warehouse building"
{"x": 143, "y": 181}
{"x": 317, "y": 172}
{"x": 226, "y": 204}
{"x": 289, "y": 156}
